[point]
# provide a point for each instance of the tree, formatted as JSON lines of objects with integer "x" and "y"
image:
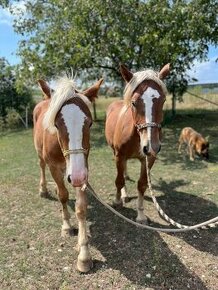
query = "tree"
{"x": 96, "y": 35}
{"x": 11, "y": 96}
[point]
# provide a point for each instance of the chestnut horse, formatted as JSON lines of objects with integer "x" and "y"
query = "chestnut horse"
{"x": 133, "y": 128}
{"x": 61, "y": 137}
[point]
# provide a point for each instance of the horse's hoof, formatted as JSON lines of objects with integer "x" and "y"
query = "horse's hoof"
{"x": 66, "y": 233}
{"x": 142, "y": 221}
{"x": 125, "y": 199}
{"x": 116, "y": 204}
{"x": 44, "y": 194}
{"x": 84, "y": 266}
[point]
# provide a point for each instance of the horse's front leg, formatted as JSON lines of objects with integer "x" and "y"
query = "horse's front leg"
{"x": 43, "y": 191}
{"x": 142, "y": 186}
{"x": 63, "y": 195}
{"x": 121, "y": 195}
{"x": 84, "y": 262}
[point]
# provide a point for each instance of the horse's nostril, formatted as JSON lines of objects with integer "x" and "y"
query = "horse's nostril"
{"x": 69, "y": 179}
{"x": 159, "y": 149}
{"x": 145, "y": 150}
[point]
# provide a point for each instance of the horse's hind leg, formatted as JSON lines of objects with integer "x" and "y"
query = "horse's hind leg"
{"x": 63, "y": 195}
{"x": 121, "y": 195}
{"x": 43, "y": 191}
{"x": 84, "y": 262}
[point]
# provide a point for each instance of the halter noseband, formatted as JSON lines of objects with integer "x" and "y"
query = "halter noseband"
{"x": 147, "y": 125}
{"x": 67, "y": 152}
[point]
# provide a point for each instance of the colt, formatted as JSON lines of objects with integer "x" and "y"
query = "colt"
{"x": 133, "y": 128}
{"x": 61, "y": 133}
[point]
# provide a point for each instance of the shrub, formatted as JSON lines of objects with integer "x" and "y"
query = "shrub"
{"x": 12, "y": 119}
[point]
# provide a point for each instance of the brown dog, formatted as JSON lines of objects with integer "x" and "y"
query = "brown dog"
{"x": 195, "y": 142}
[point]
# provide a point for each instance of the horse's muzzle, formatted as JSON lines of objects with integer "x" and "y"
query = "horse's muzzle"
{"x": 149, "y": 151}
{"x": 78, "y": 179}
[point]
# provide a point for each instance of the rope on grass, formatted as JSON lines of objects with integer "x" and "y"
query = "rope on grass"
{"x": 212, "y": 223}
{"x": 166, "y": 230}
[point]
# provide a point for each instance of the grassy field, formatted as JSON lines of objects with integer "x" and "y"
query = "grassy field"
{"x": 34, "y": 256}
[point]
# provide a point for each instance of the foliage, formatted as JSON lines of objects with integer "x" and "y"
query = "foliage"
{"x": 12, "y": 119}
{"x": 2, "y": 124}
{"x": 95, "y": 36}
{"x": 4, "y": 3}
{"x": 12, "y": 96}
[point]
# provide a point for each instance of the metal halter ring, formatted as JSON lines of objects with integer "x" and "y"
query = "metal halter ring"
{"x": 67, "y": 152}
{"x": 146, "y": 125}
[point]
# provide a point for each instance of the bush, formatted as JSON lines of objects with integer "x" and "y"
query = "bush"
{"x": 2, "y": 124}
{"x": 12, "y": 119}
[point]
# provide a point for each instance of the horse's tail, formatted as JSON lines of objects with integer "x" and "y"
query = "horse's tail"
{"x": 46, "y": 90}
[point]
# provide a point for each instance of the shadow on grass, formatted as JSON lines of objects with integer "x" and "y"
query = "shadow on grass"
{"x": 189, "y": 209}
{"x": 142, "y": 256}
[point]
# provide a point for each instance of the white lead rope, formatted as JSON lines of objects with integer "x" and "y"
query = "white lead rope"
{"x": 166, "y": 230}
{"x": 212, "y": 223}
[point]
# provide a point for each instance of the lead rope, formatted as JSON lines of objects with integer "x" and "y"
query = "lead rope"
{"x": 165, "y": 230}
{"x": 209, "y": 224}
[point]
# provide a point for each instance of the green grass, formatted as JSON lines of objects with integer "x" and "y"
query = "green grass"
{"x": 34, "y": 256}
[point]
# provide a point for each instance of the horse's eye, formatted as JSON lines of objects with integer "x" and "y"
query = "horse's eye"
{"x": 133, "y": 103}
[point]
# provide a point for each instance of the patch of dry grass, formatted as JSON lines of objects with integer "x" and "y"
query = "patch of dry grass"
{"x": 34, "y": 256}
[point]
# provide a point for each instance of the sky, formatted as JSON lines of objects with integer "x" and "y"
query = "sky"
{"x": 205, "y": 72}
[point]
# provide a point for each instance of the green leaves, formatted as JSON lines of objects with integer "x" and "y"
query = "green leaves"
{"x": 11, "y": 95}
{"x": 94, "y": 36}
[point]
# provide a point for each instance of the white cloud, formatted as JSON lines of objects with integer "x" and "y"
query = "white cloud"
{"x": 205, "y": 72}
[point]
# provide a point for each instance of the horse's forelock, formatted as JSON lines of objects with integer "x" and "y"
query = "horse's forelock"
{"x": 137, "y": 79}
{"x": 64, "y": 91}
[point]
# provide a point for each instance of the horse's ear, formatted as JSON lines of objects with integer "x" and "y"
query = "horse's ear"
{"x": 92, "y": 92}
{"x": 45, "y": 89}
{"x": 164, "y": 71}
{"x": 126, "y": 74}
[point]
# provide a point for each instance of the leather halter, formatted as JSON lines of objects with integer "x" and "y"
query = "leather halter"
{"x": 147, "y": 125}
{"x": 67, "y": 152}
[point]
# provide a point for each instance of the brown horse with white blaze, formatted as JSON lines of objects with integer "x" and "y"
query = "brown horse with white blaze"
{"x": 61, "y": 133}
{"x": 133, "y": 128}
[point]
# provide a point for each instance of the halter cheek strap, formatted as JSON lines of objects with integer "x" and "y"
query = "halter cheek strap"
{"x": 67, "y": 152}
{"x": 146, "y": 125}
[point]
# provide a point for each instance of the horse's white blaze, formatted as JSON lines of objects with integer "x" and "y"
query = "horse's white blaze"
{"x": 74, "y": 120}
{"x": 147, "y": 98}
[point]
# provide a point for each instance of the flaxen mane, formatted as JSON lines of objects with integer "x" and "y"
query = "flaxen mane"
{"x": 137, "y": 79}
{"x": 64, "y": 91}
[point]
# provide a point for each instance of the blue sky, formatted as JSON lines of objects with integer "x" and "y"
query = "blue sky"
{"x": 206, "y": 72}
